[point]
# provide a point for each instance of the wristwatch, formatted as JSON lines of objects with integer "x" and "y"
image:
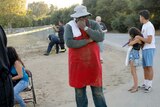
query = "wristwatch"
{"x": 85, "y": 28}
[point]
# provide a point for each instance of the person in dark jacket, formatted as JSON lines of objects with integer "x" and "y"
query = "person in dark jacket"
{"x": 54, "y": 40}
{"x": 6, "y": 87}
{"x": 60, "y": 30}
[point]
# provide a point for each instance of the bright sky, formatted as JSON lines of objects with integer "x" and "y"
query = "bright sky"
{"x": 58, "y": 3}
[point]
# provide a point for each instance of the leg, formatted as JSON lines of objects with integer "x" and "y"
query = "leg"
{"x": 135, "y": 78}
{"x": 145, "y": 73}
{"x": 50, "y": 45}
{"x": 145, "y": 69}
{"x": 81, "y": 97}
{"x": 101, "y": 51}
{"x": 57, "y": 48}
{"x": 145, "y": 82}
{"x": 17, "y": 89}
{"x": 150, "y": 73}
{"x": 148, "y": 58}
{"x": 98, "y": 97}
{"x": 62, "y": 43}
{"x": 6, "y": 91}
{"x": 101, "y": 58}
{"x": 148, "y": 67}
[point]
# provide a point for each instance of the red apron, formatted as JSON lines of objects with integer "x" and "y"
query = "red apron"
{"x": 84, "y": 64}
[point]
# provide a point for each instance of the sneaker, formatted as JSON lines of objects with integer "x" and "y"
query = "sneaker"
{"x": 148, "y": 89}
{"x": 143, "y": 86}
{"x": 62, "y": 50}
{"x": 46, "y": 54}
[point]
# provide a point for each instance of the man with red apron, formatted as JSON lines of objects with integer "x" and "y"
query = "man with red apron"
{"x": 81, "y": 36}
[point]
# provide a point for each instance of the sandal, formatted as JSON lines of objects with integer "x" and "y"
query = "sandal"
{"x": 134, "y": 90}
{"x": 131, "y": 89}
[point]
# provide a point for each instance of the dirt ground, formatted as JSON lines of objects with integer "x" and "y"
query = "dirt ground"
{"x": 50, "y": 73}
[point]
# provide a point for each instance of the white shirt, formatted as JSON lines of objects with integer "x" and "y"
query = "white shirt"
{"x": 148, "y": 30}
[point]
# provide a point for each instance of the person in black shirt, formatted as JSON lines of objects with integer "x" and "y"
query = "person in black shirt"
{"x": 60, "y": 30}
{"x": 6, "y": 87}
{"x": 104, "y": 29}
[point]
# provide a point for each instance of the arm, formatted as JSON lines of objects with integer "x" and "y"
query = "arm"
{"x": 150, "y": 31}
{"x": 55, "y": 28}
{"x": 145, "y": 40}
{"x": 105, "y": 31}
{"x": 18, "y": 67}
{"x": 96, "y": 34}
{"x": 104, "y": 28}
{"x": 70, "y": 42}
{"x": 131, "y": 43}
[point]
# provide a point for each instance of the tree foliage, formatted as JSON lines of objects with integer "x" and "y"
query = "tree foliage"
{"x": 122, "y": 14}
{"x": 116, "y": 14}
{"x": 38, "y": 9}
{"x": 10, "y": 9}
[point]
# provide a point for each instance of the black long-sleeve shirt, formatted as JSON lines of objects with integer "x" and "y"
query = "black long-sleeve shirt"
{"x": 4, "y": 62}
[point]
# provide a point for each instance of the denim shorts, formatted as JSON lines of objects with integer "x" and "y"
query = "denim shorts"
{"x": 135, "y": 57}
{"x": 147, "y": 57}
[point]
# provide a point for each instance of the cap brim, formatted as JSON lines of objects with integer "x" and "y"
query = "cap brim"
{"x": 75, "y": 15}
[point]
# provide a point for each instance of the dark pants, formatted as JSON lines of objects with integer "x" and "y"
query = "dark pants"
{"x": 6, "y": 91}
{"x": 62, "y": 44}
{"x": 51, "y": 44}
{"x": 97, "y": 93}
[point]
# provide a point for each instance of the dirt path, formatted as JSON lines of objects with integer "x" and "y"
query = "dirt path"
{"x": 50, "y": 73}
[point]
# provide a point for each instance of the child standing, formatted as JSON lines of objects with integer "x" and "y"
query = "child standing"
{"x": 134, "y": 55}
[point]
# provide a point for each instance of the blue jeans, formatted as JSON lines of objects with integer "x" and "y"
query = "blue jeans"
{"x": 97, "y": 93}
{"x": 21, "y": 85}
{"x": 51, "y": 44}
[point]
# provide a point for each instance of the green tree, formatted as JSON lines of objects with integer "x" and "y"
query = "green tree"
{"x": 152, "y": 5}
{"x": 9, "y": 9}
{"x": 118, "y": 23}
{"x": 91, "y": 6}
{"x": 62, "y": 14}
{"x": 123, "y": 13}
{"x": 38, "y": 9}
{"x": 52, "y": 9}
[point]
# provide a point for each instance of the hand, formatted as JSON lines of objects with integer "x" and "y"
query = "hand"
{"x": 89, "y": 40}
{"x": 54, "y": 25}
{"x": 81, "y": 24}
{"x": 129, "y": 44}
{"x": 138, "y": 37}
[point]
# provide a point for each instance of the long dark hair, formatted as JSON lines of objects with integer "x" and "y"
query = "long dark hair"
{"x": 13, "y": 56}
{"x": 133, "y": 32}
